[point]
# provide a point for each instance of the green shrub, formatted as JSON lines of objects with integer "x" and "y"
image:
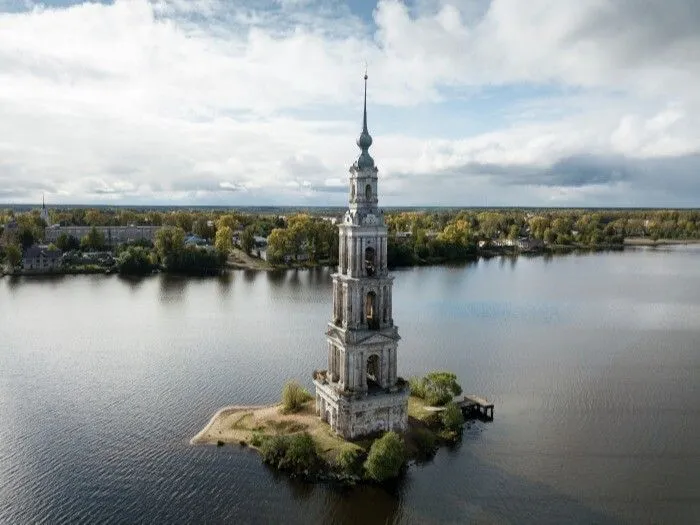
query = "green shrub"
{"x": 293, "y": 397}
{"x": 300, "y": 454}
{"x": 135, "y": 260}
{"x": 452, "y": 418}
{"x": 440, "y": 388}
{"x": 417, "y": 387}
{"x": 273, "y": 449}
{"x": 257, "y": 439}
{"x": 296, "y": 453}
{"x": 386, "y": 457}
{"x": 348, "y": 461}
{"x": 425, "y": 441}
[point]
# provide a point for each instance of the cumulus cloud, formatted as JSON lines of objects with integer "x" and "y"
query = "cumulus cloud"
{"x": 208, "y": 101}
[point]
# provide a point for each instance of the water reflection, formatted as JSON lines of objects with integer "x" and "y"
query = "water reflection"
{"x": 293, "y": 277}
{"x": 224, "y": 281}
{"x": 172, "y": 287}
{"x": 133, "y": 282}
{"x": 276, "y": 277}
{"x": 250, "y": 275}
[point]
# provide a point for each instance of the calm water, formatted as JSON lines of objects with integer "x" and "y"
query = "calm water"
{"x": 593, "y": 362}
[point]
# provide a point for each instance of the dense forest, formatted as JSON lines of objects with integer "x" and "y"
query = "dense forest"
{"x": 310, "y": 238}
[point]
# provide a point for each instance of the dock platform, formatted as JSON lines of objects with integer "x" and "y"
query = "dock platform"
{"x": 472, "y": 405}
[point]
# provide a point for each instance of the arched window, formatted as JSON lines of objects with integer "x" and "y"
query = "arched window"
{"x": 352, "y": 190}
{"x": 385, "y": 302}
{"x": 371, "y": 314}
{"x": 370, "y": 261}
{"x": 344, "y": 255}
{"x": 339, "y": 307}
{"x": 368, "y": 192}
{"x": 373, "y": 372}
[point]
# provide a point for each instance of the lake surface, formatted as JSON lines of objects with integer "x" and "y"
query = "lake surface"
{"x": 593, "y": 362}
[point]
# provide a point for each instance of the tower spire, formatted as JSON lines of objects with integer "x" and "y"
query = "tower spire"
{"x": 364, "y": 118}
{"x": 365, "y": 140}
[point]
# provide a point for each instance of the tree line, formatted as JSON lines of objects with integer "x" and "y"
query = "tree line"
{"x": 415, "y": 237}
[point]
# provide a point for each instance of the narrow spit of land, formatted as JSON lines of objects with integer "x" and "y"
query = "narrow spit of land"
{"x": 239, "y": 424}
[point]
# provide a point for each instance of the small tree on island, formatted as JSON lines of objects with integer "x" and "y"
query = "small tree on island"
{"x": 452, "y": 418}
{"x": 293, "y": 397}
{"x": 386, "y": 457}
{"x": 436, "y": 388}
{"x": 301, "y": 454}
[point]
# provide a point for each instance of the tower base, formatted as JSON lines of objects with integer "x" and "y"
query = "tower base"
{"x": 359, "y": 414}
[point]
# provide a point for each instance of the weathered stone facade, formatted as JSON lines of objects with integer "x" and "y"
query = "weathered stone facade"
{"x": 360, "y": 392}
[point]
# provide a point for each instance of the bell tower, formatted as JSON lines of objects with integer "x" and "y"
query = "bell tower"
{"x": 360, "y": 392}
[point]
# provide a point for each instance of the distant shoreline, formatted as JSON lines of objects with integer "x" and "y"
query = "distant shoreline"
{"x": 241, "y": 261}
{"x": 646, "y": 241}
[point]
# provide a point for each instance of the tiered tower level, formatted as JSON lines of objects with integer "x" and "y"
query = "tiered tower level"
{"x": 359, "y": 393}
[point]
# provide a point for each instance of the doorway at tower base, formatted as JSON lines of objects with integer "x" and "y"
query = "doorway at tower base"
{"x": 362, "y": 414}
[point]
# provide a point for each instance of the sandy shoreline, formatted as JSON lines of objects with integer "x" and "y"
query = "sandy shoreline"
{"x": 240, "y": 424}
{"x": 206, "y": 436}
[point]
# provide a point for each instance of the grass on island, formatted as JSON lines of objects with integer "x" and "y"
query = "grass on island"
{"x": 417, "y": 411}
{"x": 245, "y": 424}
{"x": 240, "y": 424}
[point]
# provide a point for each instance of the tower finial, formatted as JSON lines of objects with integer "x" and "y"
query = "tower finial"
{"x": 365, "y": 140}
{"x": 364, "y": 120}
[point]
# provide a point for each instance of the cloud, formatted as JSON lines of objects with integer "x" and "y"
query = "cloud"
{"x": 583, "y": 103}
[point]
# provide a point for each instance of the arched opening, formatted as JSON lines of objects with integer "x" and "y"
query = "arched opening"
{"x": 339, "y": 307}
{"x": 385, "y": 303}
{"x": 370, "y": 261}
{"x": 368, "y": 192}
{"x": 371, "y": 314}
{"x": 352, "y": 191}
{"x": 373, "y": 371}
{"x": 344, "y": 255}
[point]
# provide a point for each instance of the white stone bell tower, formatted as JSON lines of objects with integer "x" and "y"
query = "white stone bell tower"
{"x": 360, "y": 392}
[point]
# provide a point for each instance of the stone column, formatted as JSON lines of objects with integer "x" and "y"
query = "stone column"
{"x": 345, "y": 307}
{"x": 391, "y": 307}
{"x": 343, "y": 369}
{"x": 381, "y": 254}
{"x": 330, "y": 360}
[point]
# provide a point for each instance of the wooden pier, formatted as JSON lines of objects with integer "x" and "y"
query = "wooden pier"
{"x": 476, "y": 406}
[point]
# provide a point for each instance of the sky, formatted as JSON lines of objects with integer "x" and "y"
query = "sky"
{"x": 259, "y": 102}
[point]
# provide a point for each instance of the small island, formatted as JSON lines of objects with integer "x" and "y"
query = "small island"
{"x": 291, "y": 437}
